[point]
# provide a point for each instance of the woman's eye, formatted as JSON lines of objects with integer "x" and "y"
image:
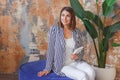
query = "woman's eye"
{"x": 68, "y": 15}
{"x": 62, "y": 15}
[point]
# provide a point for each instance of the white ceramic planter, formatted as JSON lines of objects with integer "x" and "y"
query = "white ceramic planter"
{"x": 108, "y": 73}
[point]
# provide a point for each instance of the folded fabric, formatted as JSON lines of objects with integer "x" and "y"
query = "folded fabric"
{"x": 28, "y": 71}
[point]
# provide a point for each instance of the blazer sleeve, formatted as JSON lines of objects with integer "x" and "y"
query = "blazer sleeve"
{"x": 80, "y": 43}
{"x": 51, "y": 50}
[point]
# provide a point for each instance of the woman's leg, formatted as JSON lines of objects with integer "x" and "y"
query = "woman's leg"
{"x": 74, "y": 73}
{"x": 85, "y": 67}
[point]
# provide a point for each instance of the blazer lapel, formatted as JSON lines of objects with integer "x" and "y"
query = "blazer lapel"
{"x": 62, "y": 40}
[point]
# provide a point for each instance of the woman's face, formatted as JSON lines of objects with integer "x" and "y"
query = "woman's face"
{"x": 65, "y": 18}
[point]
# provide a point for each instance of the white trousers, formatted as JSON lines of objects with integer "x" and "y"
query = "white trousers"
{"x": 79, "y": 71}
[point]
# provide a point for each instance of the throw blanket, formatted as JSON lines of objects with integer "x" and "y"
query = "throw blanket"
{"x": 28, "y": 71}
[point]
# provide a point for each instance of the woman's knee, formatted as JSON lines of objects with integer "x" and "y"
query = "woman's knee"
{"x": 65, "y": 69}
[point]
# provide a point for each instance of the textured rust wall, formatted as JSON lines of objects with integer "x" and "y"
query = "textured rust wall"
{"x": 24, "y": 24}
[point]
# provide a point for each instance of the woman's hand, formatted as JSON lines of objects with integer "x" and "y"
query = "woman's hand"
{"x": 74, "y": 56}
{"x": 42, "y": 73}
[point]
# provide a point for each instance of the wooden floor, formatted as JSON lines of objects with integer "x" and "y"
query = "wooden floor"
{"x": 13, "y": 76}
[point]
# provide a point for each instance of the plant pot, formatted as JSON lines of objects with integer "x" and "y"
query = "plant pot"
{"x": 107, "y": 73}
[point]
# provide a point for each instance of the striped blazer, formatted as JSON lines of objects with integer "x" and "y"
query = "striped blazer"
{"x": 56, "y": 48}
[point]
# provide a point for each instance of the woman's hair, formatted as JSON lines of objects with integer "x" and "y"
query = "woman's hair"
{"x": 73, "y": 19}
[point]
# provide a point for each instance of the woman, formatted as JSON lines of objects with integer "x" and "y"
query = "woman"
{"x": 64, "y": 38}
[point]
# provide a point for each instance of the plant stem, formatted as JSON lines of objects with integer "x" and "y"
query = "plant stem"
{"x": 95, "y": 49}
{"x": 97, "y": 7}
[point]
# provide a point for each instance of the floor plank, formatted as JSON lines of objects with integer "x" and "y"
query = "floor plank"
{"x": 13, "y": 76}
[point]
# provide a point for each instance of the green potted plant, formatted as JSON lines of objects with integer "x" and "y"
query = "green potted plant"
{"x": 96, "y": 26}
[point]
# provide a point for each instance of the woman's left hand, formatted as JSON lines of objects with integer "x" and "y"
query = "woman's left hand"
{"x": 74, "y": 56}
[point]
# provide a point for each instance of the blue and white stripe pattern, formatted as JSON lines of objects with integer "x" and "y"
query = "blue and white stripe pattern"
{"x": 56, "y": 48}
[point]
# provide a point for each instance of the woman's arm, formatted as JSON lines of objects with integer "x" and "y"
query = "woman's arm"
{"x": 50, "y": 53}
{"x": 79, "y": 44}
{"x": 51, "y": 50}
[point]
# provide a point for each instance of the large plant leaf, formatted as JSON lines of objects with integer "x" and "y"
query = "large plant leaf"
{"x": 110, "y": 2}
{"x": 115, "y": 44}
{"x": 89, "y": 15}
{"x": 96, "y": 0}
{"x": 98, "y": 22}
{"x": 78, "y": 9}
{"x": 80, "y": 12}
{"x": 107, "y": 9}
{"x": 91, "y": 29}
{"x": 110, "y": 30}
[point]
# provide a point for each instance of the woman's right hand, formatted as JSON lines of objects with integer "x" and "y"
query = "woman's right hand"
{"x": 74, "y": 56}
{"x": 42, "y": 73}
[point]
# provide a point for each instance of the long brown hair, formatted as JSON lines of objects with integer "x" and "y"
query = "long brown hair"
{"x": 72, "y": 25}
